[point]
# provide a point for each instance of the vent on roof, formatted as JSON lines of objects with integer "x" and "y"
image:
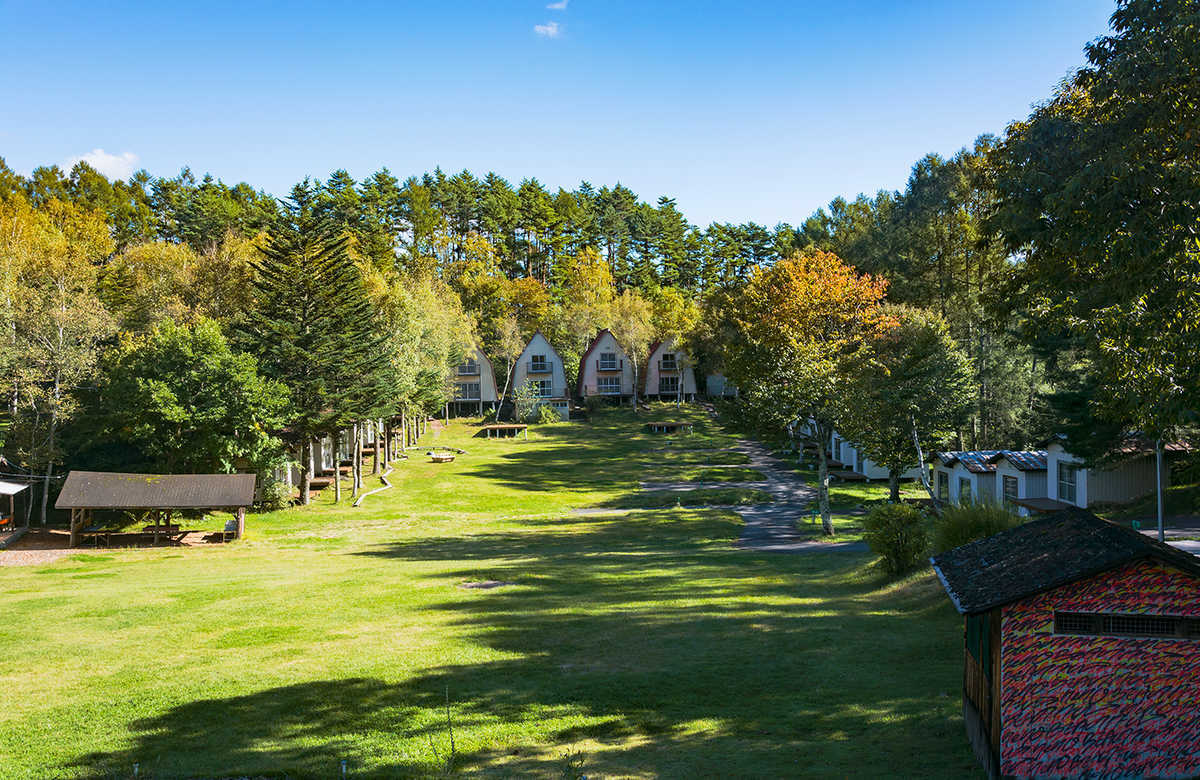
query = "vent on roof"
{"x": 1144, "y": 626}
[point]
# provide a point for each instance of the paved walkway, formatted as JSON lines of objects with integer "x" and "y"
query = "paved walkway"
{"x": 769, "y": 527}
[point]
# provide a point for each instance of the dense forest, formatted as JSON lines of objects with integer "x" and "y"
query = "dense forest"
{"x": 183, "y": 323}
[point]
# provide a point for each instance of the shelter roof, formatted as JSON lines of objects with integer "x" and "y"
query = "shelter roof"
{"x": 109, "y": 490}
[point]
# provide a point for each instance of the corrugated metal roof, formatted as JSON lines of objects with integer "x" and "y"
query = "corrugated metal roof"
{"x": 978, "y": 461}
{"x": 108, "y": 490}
{"x": 1024, "y": 460}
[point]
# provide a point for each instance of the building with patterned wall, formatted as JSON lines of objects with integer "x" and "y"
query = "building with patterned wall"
{"x": 1082, "y": 650}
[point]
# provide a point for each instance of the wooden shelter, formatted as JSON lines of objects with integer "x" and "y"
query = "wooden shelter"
{"x": 669, "y": 427}
{"x": 154, "y": 495}
{"x": 1082, "y": 643}
{"x": 502, "y": 430}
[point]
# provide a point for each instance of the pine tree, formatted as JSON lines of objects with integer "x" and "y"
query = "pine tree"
{"x": 312, "y": 327}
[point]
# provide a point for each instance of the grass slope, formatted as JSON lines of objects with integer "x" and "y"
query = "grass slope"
{"x": 640, "y": 642}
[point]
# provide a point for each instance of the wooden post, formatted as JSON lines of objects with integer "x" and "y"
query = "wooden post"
{"x": 241, "y": 522}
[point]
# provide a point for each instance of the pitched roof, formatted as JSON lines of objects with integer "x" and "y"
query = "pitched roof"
{"x": 1043, "y": 554}
{"x": 1023, "y": 460}
{"x": 109, "y": 490}
{"x": 977, "y": 461}
{"x": 583, "y": 360}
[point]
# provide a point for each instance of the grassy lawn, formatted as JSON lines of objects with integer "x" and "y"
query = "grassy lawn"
{"x": 640, "y": 643}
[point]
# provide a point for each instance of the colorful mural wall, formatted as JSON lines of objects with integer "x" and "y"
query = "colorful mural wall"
{"x": 1101, "y": 706}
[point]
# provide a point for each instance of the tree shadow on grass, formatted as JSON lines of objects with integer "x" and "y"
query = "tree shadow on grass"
{"x": 645, "y": 643}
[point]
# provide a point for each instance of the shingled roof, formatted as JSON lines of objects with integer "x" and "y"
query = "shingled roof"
{"x": 110, "y": 490}
{"x": 1042, "y": 555}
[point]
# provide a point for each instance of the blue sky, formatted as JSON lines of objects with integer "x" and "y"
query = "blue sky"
{"x": 761, "y": 110}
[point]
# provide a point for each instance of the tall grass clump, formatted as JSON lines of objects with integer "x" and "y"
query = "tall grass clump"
{"x": 896, "y": 533}
{"x": 959, "y": 525}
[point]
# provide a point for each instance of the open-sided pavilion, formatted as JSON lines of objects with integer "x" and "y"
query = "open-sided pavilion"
{"x": 156, "y": 496}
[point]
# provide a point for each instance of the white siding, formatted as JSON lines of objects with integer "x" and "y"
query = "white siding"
{"x": 1030, "y": 484}
{"x": 687, "y": 377}
{"x": 557, "y": 376}
{"x": 486, "y": 379}
{"x": 589, "y": 369}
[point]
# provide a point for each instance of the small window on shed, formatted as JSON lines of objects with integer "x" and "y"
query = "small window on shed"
{"x": 1133, "y": 626}
{"x": 943, "y": 486}
{"x": 964, "y": 490}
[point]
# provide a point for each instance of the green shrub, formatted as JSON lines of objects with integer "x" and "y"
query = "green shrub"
{"x": 896, "y": 533}
{"x": 274, "y": 496}
{"x": 544, "y": 415}
{"x": 961, "y": 524}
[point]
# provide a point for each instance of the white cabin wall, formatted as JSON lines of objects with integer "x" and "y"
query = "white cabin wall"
{"x": 1124, "y": 483}
{"x": 606, "y": 342}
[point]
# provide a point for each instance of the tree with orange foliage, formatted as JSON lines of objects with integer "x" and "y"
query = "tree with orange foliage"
{"x": 792, "y": 325}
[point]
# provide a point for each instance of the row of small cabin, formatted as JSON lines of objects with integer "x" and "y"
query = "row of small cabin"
{"x": 1028, "y": 481}
{"x": 604, "y": 371}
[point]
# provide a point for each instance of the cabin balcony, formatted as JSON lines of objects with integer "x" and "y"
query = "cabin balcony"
{"x": 605, "y": 365}
{"x": 668, "y": 389}
{"x": 539, "y": 368}
{"x": 668, "y": 366}
{"x": 468, "y": 370}
{"x": 470, "y": 396}
{"x": 608, "y": 390}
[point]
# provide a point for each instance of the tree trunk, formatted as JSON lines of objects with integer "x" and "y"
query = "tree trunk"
{"x": 336, "y": 440}
{"x": 306, "y": 465}
{"x": 356, "y": 461}
{"x": 823, "y": 481}
{"x": 924, "y": 470}
{"x": 377, "y": 466}
{"x": 635, "y": 384}
{"x": 894, "y": 486}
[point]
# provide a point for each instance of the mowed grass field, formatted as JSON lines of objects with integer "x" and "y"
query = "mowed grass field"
{"x": 629, "y": 642}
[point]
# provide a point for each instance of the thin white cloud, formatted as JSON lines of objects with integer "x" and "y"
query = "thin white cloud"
{"x": 547, "y": 30}
{"x": 561, "y": 5}
{"x": 114, "y": 166}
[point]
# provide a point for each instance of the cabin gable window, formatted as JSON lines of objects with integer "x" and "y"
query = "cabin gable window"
{"x": 608, "y": 361}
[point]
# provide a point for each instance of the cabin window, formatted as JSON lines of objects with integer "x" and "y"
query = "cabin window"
{"x": 538, "y": 363}
{"x": 668, "y": 362}
{"x": 964, "y": 490}
{"x": 668, "y": 385}
{"x": 468, "y": 368}
{"x": 1010, "y": 489}
{"x": 468, "y": 391}
{"x": 545, "y": 388}
{"x": 979, "y": 641}
{"x": 836, "y": 450}
{"x": 1068, "y": 476}
{"x": 1138, "y": 626}
{"x": 608, "y": 361}
{"x": 608, "y": 385}
{"x": 943, "y": 486}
